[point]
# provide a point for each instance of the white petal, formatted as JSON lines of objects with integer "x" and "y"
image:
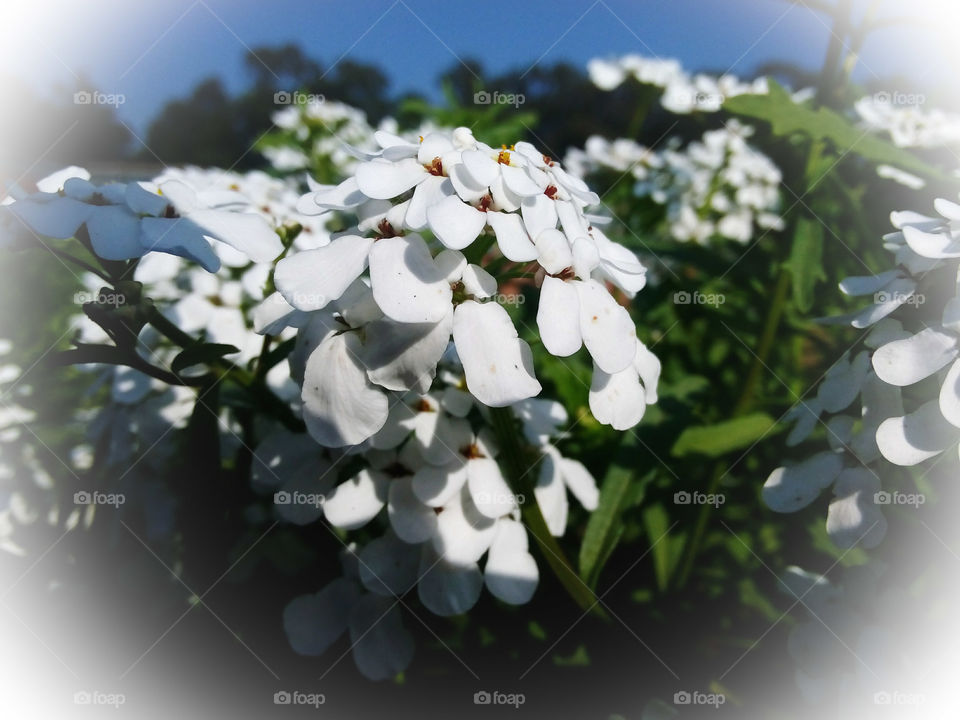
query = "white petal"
{"x": 274, "y": 315}
{"x": 539, "y": 214}
{"x": 558, "y": 317}
{"x": 314, "y": 622}
{"x": 512, "y": 237}
{"x": 452, "y": 263}
{"x": 520, "y": 183}
{"x": 842, "y": 383}
{"x": 618, "y": 400}
{"x": 440, "y": 438}
{"x": 436, "y": 486}
{"x": 503, "y": 198}
{"x": 498, "y": 365}
{"x": 411, "y": 520}
{"x": 388, "y": 566}
{"x": 867, "y": 284}
{"x": 905, "y": 362}
{"x": 608, "y": 331}
{"x": 483, "y": 169}
{"x": 114, "y": 233}
{"x": 407, "y": 284}
{"x": 586, "y": 257}
{"x": 467, "y": 188}
{"x": 463, "y": 533}
{"x": 792, "y": 488}
{"x": 455, "y": 223}
{"x": 648, "y": 366}
{"x": 445, "y": 588}
{"x": 490, "y": 492}
{"x": 52, "y": 216}
{"x": 554, "y": 253}
{"x": 478, "y": 282}
{"x": 404, "y": 356}
{"x": 916, "y": 437}
{"x": 309, "y": 280}
{"x": 511, "y": 573}
{"x": 580, "y": 482}
{"x": 340, "y": 406}
{"x": 427, "y": 194}
{"x": 382, "y": 647}
{"x": 178, "y": 237}
{"x": 355, "y": 502}
{"x": 950, "y": 395}
{"x": 434, "y": 145}
{"x": 246, "y": 232}
{"x": 382, "y": 180}
{"x": 551, "y": 494}
{"x": 55, "y": 181}
{"x": 854, "y": 517}
{"x": 541, "y": 419}
{"x": 344, "y": 196}
{"x": 396, "y": 429}
{"x": 935, "y": 245}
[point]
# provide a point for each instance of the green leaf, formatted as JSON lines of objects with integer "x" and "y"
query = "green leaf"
{"x": 716, "y": 440}
{"x": 664, "y": 547}
{"x": 806, "y": 261}
{"x": 605, "y": 528}
{"x": 200, "y": 354}
{"x": 787, "y": 118}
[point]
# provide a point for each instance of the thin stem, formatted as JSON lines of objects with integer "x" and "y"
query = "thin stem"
{"x": 515, "y": 459}
{"x": 744, "y": 404}
{"x": 79, "y": 263}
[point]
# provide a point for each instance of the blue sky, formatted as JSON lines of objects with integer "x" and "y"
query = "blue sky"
{"x": 153, "y": 52}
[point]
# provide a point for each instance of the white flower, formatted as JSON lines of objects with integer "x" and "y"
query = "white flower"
{"x": 127, "y": 221}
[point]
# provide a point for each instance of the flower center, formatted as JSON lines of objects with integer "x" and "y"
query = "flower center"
{"x": 551, "y": 192}
{"x": 471, "y": 452}
{"x": 435, "y": 167}
{"x": 424, "y": 406}
{"x": 503, "y": 157}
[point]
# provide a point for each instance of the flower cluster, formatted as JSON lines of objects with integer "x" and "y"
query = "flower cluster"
{"x": 682, "y": 93}
{"x": 363, "y": 337}
{"x": 720, "y": 186}
{"x": 907, "y": 124}
{"x": 918, "y": 351}
{"x": 432, "y": 489}
{"x": 127, "y": 220}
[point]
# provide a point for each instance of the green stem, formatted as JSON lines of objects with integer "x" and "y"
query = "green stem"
{"x": 743, "y": 406}
{"x": 515, "y": 459}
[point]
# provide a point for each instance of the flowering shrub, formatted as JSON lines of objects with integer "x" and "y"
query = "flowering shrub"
{"x": 433, "y": 393}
